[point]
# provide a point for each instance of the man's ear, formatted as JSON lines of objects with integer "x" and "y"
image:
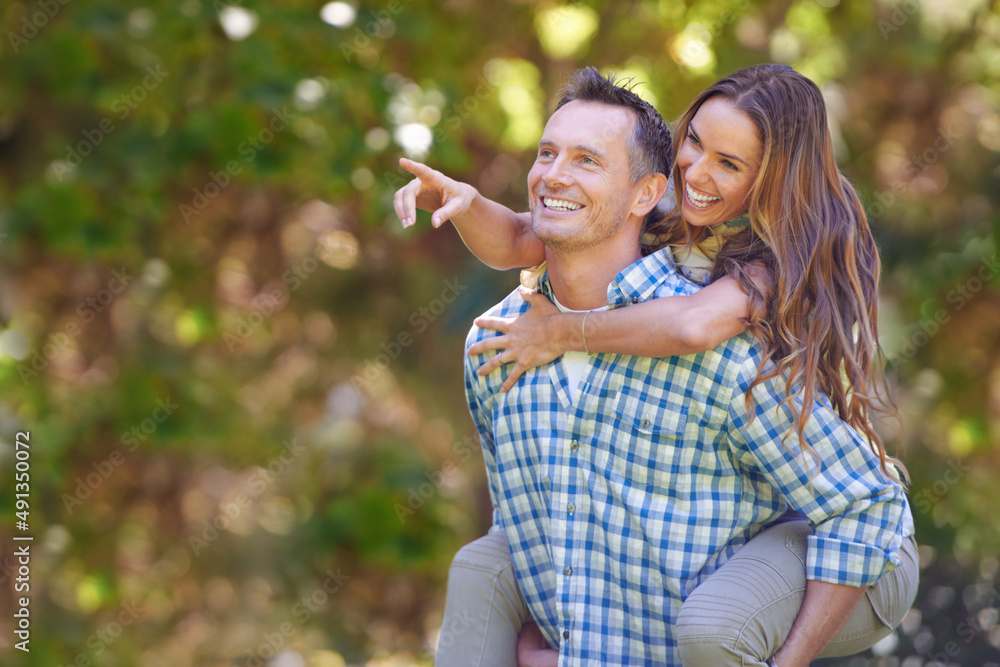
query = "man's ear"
{"x": 653, "y": 187}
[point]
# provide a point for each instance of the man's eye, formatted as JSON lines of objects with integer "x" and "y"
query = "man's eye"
{"x": 589, "y": 160}
{"x": 545, "y": 153}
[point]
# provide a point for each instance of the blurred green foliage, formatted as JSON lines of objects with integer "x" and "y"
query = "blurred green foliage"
{"x": 195, "y": 211}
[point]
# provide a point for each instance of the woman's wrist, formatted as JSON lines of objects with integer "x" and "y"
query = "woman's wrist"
{"x": 567, "y": 331}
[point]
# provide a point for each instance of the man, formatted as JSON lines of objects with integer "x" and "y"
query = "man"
{"x": 622, "y": 483}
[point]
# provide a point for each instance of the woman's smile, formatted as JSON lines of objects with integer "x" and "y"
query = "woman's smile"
{"x": 718, "y": 161}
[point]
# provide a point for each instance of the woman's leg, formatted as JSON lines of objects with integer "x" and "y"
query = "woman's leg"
{"x": 484, "y": 609}
{"x": 742, "y": 614}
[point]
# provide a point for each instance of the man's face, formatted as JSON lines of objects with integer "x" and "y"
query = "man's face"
{"x": 580, "y": 194}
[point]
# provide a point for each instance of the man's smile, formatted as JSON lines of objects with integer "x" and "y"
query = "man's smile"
{"x": 560, "y": 204}
{"x": 555, "y": 204}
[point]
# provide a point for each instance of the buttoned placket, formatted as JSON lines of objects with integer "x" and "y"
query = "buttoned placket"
{"x": 568, "y": 506}
{"x": 568, "y": 509}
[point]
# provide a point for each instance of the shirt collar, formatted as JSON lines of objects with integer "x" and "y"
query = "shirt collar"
{"x": 633, "y": 284}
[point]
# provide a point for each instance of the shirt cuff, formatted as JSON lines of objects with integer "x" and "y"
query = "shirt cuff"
{"x": 846, "y": 563}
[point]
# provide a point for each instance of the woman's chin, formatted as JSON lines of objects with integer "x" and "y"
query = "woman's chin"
{"x": 698, "y": 217}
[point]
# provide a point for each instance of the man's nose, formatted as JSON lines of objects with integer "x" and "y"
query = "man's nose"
{"x": 557, "y": 174}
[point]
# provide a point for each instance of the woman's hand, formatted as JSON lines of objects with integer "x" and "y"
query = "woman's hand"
{"x": 527, "y": 341}
{"x": 431, "y": 191}
{"x": 533, "y": 650}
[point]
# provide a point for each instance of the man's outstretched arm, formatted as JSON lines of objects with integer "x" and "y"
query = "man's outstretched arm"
{"x": 499, "y": 237}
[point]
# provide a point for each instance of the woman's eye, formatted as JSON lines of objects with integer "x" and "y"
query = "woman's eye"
{"x": 730, "y": 166}
{"x": 693, "y": 139}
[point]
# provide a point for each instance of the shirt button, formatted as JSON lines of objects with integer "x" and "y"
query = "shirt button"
{"x": 575, "y": 445}
{"x": 565, "y": 634}
{"x": 568, "y": 570}
{"x": 635, "y": 299}
{"x": 645, "y": 423}
{"x": 571, "y": 508}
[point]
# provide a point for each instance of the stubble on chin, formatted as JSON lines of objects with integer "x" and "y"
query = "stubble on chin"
{"x": 581, "y": 236}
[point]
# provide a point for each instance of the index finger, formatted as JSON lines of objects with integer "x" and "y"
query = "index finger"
{"x": 500, "y": 324}
{"x": 418, "y": 169}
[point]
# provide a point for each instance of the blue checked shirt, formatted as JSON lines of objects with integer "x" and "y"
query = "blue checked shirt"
{"x": 618, "y": 505}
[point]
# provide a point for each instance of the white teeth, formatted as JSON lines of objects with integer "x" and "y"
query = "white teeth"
{"x": 560, "y": 205}
{"x": 701, "y": 201}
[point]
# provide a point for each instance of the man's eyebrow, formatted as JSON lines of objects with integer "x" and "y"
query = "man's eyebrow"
{"x": 725, "y": 155}
{"x": 545, "y": 143}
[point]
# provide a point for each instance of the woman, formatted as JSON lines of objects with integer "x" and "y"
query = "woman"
{"x": 765, "y": 212}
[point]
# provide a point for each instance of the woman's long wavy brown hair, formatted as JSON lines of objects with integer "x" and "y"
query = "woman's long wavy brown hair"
{"x": 819, "y": 320}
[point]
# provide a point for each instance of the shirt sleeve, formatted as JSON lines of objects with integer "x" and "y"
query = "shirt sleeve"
{"x": 480, "y": 400}
{"x": 857, "y": 511}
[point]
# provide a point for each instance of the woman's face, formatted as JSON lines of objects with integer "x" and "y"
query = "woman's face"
{"x": 718, "y": 162}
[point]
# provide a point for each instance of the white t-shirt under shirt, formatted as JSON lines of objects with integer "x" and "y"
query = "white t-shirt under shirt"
{"x": 693, "y": 263}
{"x": 575, "y": 362}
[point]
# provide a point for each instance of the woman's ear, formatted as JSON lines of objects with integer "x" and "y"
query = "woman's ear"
{"x": 653, "y": 187}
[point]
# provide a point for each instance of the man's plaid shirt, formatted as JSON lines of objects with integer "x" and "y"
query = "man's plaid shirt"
{"x": 618, "y": 506}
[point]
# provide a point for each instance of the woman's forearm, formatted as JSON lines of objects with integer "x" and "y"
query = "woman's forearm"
{"x": 660, "y": 327}
{"x": 499, "y": 237}
{"x": 825, "y": 609}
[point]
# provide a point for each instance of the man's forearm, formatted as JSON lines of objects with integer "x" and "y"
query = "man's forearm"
{"x": 825, "y": 609}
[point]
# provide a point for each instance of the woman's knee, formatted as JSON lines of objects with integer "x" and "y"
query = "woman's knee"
{"x": 483, "y": 571}
{"x": 488, "y": 554}
{"x": 720, "y": 627}
{"x": 701, "y": 641}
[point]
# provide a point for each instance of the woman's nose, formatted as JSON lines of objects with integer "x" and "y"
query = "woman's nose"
{"x": 696, "y": 172}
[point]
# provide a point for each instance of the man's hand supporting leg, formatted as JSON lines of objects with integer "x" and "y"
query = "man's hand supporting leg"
{"x": 533, "y": 650}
